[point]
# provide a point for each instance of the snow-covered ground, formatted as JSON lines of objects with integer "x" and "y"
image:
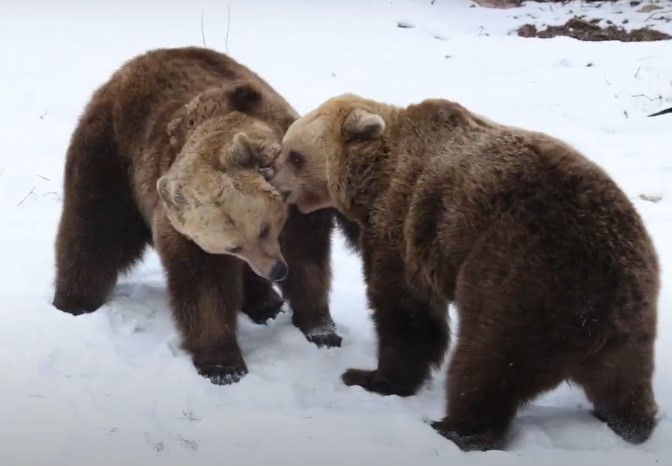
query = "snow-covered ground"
{"x": 113, "y": 388}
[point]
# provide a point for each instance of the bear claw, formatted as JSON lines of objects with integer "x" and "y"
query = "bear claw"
{"x": 482, "y": 441}
{"x": 374, "y": 382}
{"x": 222, "y": 375}
{"x": 329, "y": 340}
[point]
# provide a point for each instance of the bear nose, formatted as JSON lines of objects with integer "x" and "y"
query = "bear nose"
{"x": 266, "y": 172}
{"x": 278, "y": 272}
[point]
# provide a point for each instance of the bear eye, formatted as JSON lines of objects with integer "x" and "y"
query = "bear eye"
{"x": 264, "y": 231}
{"x": 296, "y": 159}
{"x": 235, "y": 249}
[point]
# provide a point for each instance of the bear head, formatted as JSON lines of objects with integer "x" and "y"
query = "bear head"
{"x": 216, "y": 195}
{"x": 313, "y": 163}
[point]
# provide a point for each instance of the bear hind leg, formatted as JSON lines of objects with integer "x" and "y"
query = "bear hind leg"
{"x": 101, "y": 232}
{"x": 90, "y": 255}
{"x": 488, "y": 379}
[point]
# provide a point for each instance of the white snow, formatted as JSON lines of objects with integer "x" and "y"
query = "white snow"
{"x": 113, "y": 387}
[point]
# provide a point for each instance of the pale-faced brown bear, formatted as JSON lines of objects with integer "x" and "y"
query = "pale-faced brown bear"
{"x": 550, "y": 267}
{"x": 167, "y": 153}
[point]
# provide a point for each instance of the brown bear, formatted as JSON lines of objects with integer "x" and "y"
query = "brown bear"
{"x": 167, "y": 153}
{"x": 549, "y": 265}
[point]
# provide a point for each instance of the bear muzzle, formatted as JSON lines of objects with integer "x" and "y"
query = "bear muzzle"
{"x": 278, "y": 272}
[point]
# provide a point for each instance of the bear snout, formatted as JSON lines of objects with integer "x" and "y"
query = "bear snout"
{"x": 278, "y": 272}
{"x": 267, "y": 173}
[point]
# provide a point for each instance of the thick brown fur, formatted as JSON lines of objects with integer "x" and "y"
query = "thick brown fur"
{"x": 128, "y": 137}
{"x": 549, "y": 265}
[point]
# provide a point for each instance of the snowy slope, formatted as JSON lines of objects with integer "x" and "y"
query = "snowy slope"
{"x": 113, "y": 388}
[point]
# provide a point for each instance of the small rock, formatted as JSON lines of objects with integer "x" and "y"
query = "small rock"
{"x": 649, "y": 8}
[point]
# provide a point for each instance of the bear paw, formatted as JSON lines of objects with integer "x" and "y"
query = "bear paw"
{"x": 222, "y": 375}
{"x": 75, "y": 305}
{"x": 472, "y": 441}
{"x": 631, "y": 430}
{"x": 328, "y": 339}
{"x": 375, "y": 382}
{"x": 318, "y": 327}
{"x": 260, "y": 311}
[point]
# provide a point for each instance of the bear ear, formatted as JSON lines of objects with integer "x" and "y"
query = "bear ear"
{"x": 169, "y": 193}
{"x": 240, "y": 152}
{"x": 361, "y": 124}
{"x": 243, "y": 96}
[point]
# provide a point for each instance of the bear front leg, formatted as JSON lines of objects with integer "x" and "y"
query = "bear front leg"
{"x": 412, "y": 331}
{"x": 206, "y": 293}
{"x": 306, "y": 245}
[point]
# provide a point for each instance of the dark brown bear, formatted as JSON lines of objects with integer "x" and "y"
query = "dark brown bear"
{"x": 551, "y": 268}
{"x": 195, "y": 119}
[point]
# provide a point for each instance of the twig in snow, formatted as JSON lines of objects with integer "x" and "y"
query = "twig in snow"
{"x": 44, "y": 115}
{"x": 638, "y": 68}
{"x": 43, "y": 177}
{"x": 657, "y": 13}
{"x": 650, "y": 99}
{"x": 202, "y": 31}
{"x": 655, "y": 198}
{"x": 32, "y": 191}
{"x": 189, "y": 416}
{"x": 228, "y": 27}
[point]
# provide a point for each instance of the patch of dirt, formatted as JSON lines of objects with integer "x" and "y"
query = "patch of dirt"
{"x": 498, "y": 3}
{"x": 517, "y": 3}
{"x": 591, "y": 31}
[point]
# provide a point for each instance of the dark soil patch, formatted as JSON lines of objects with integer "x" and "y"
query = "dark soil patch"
{"x": 591, "y": 31}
